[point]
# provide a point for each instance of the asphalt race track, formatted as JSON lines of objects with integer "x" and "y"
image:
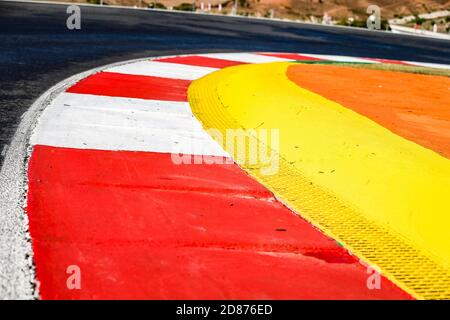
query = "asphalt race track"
{"x": 38, "y": 51}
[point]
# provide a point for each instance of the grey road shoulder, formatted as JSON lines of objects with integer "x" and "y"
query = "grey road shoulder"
{"x": 17, "y": 272}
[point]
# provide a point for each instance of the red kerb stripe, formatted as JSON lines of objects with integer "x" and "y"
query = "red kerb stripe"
{"x": 387, "y": 61}
{"x": 292, "y": 56}
{"x": 132, "y": 86}
{"x": 202, "y": 61}
{"x": 139, "y": 226}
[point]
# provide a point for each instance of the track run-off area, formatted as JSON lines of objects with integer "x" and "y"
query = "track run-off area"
{"x": 131, "y": 182}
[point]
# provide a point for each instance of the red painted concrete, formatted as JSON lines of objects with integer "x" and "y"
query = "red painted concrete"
{"x": 388, "y": 61}
{"x": 292, "y": 56}
{"x": 139, "y": 226}
{"x": 201, "y": 61}
{"x": 132, "y": 86}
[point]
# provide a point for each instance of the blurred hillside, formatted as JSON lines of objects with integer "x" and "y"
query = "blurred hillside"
{"x": 310, "y": 10}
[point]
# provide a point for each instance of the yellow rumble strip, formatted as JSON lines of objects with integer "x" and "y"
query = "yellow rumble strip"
{"x": 385, "y": 198}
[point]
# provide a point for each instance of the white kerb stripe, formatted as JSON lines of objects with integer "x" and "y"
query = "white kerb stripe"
{"x": 245, "y": 57}
{"x": 109, "y": 123}
{"x": 163, "y": 70}
{"x": 429, "y": 64}
{"x": 107, "y": 103}
{"x": 338, "y": 58}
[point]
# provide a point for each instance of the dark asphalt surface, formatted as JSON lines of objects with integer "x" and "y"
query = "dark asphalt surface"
{"x": 38, "y": 51}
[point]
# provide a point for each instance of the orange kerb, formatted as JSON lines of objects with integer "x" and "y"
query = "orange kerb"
{"x": 414, "y": 106}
